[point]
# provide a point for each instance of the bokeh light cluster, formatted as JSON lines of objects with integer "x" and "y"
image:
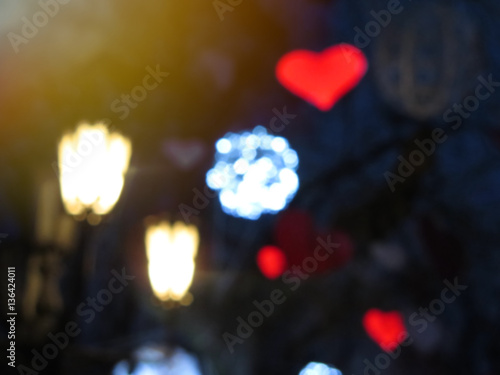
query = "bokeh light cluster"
{"x": 150, "y": 360}
{"x": 315, "y": 368}
{"x": 255, "y": 173}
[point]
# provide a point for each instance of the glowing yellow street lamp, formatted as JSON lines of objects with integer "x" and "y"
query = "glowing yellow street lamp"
{"x": 92, "y": 165}
{"x": 171, "y": 251}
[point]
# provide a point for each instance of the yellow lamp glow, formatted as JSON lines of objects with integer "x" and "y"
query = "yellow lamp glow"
{"x": 92, "y": 167}
{"x": 171, "y": 251}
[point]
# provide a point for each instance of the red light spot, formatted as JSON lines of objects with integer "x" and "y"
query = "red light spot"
{"x": 387, "y": 329}
{"x": 271, "y": 261}
{"x": 322, "y": 78}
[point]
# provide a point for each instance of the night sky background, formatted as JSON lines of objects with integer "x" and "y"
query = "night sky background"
{"x": 396, "y": 247}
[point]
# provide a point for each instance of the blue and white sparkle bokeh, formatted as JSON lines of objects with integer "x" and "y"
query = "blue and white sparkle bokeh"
{"x": 150, "y": 360}
{"x": 254, "y": 172}
{"x": 315, "y": 368}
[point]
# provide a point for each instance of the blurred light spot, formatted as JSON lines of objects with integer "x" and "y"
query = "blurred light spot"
{"x": 291, "y": 159}
{"x": 92, "y": 167}
{"x": 249, "y": 154}
{"x": 315, "y": 368}
{"x": 171, "y": 251}
{"x": 271, "y": 261}
{"x": 241, "y": 166}
{"x": 386, "y": 328}
{"x": 279, "y": 144}
{"x": 155, "y": 361}
{"x": 223, "y": 146}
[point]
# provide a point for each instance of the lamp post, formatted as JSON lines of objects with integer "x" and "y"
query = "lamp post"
{"x": 171, "y": 252}
{"x": 92, "y": 165}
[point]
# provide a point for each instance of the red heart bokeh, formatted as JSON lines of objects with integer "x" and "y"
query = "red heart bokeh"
{"x": 387, "y": 329}
{"x": 322, "y": 78}
{"x": 271, "y": 261}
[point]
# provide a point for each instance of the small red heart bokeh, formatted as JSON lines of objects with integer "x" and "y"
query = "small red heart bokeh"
{"x": 271, "y": 261}
{"x": 322, "y": 78}
{"x": 387, "y": 329}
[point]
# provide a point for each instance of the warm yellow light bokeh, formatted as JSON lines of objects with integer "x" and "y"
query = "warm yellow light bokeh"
{"x": 171, "y": 251}
{"x": 92, "y": 167}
